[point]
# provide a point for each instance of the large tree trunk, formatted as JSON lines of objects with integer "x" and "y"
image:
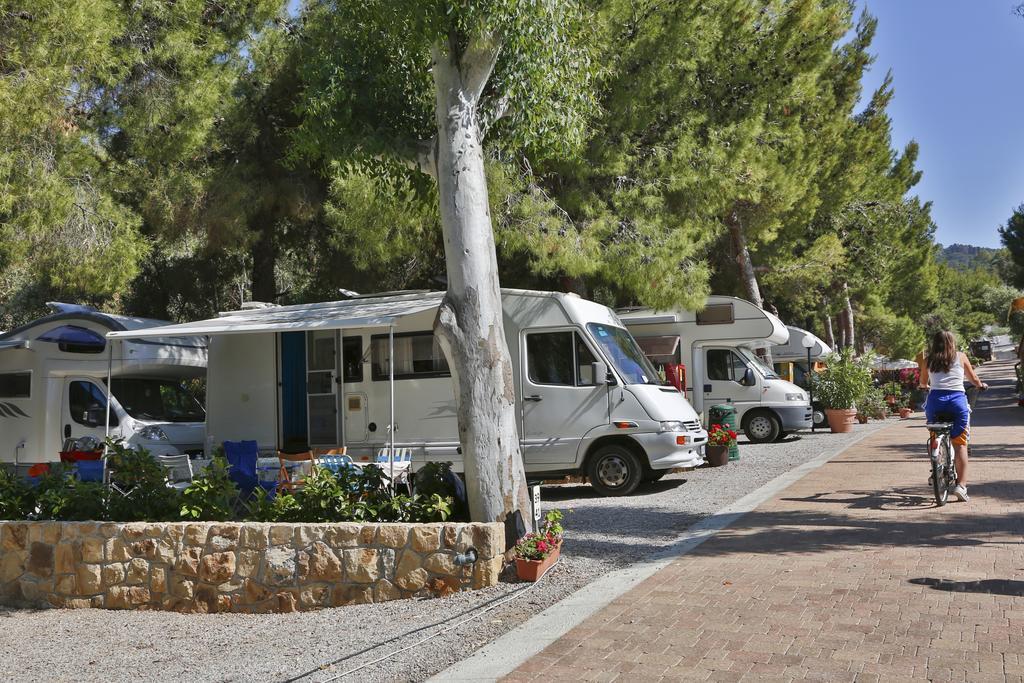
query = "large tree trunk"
{"x": 739, "y": 245}
{"x": 851, "y": 338}
{"x": 469, "y": 320}
{"x": 830, "y": 337}
{"x": 264, "y": 261}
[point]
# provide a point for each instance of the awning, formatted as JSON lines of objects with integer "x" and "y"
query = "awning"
{"x": 659, "y": 348}
{"x": 331, "y": 315}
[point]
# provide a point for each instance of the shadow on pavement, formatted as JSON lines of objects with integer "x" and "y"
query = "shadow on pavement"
{"x": 992, "y": 586}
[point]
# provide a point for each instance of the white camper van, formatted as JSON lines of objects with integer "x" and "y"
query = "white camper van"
{"x": 790, "y": 361}
{"x": 716, "y": 347}
{"x": 53, "y": 374}
{"x": 342, "y": 373}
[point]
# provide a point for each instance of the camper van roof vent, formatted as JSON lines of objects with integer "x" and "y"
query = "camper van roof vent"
{"x": 60, "y": 307}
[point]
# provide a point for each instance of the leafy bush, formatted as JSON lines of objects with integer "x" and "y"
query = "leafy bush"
{"x": 844, "y": 381}
{"x": 437, "y": 478}
{"x": 211, "y": 495}
{"x": 17, "y": 498}
{"x": 873, "y": 404}
{"x": 139, "y": 491}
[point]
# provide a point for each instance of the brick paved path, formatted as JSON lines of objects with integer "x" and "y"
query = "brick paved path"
{"x": 850, "y": 574}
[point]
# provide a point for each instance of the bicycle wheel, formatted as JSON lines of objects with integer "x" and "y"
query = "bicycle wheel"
{"x": 940, "y": 484}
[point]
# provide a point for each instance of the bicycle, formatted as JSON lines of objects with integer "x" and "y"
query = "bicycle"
{"x": 940, "y": 451}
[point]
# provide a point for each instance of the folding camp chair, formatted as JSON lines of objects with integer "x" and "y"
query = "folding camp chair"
{"x": 242, "y": 457}
{"x": 333, "y": 459}
{"x": 288, "y": 479}
{"x": 179, "y": 470}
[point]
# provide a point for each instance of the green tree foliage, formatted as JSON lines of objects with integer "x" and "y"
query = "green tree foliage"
{"x": 1012, "y": 235}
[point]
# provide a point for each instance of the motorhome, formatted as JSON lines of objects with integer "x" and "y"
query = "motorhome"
{"x": 53, "y": 386}
{"x": 715, "y": 348}
{"x": 366, "y": 373}
{"x": 790, "y": 360}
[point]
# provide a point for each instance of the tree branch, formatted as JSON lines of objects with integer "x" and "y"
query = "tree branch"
{"x": 476, "y": 65}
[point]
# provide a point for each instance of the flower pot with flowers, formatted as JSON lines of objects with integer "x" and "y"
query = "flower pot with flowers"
{"x": 537, "y": 552}
{"x": 720, "y": 439}
{"x": 843, "y": 383}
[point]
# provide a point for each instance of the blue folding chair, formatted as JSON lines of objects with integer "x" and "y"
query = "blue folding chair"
{"x": 242, "y": 457}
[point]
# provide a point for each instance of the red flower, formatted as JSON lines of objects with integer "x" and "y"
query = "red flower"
{"x": 542, "y": 546}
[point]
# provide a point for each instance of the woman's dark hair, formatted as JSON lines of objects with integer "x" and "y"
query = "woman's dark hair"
{"x": 941, "y": 351}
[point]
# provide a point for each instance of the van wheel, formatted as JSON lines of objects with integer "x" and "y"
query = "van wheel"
{"x": 762, "y": 427}
{"x": 614, "y": 470}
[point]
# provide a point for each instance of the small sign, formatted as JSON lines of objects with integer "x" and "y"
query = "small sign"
{"x": 535, "y": 497}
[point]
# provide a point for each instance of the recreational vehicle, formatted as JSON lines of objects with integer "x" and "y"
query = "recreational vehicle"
{"x": 715, "y": 348}
{"x": 791, "y": 362}
{"x": 53, "y": 386}
{"x": 367, "y": 374}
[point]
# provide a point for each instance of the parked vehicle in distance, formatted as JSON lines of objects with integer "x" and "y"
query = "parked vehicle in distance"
{"x": 982, "y": 349}
{"x": 320, "y": 376}
{"x": 53, "y": 375}
{"x": 790, "y": 361}
{"x": 717, "y": 347}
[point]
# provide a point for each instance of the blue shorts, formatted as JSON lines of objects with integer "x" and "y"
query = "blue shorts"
{"x": 950, "y": 406}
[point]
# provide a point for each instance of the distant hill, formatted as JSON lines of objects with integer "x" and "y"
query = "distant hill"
{"x": 967, "y": 256}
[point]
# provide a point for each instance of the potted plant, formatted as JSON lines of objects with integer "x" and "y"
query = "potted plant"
{"x": 873, "y": 405}
{"x": 844, "y": 381}
{"x": 892, "y": 392}
{"x": 905, "y": 407}
{"x": 537, "y": 552}
{"x": 720, "y": 439}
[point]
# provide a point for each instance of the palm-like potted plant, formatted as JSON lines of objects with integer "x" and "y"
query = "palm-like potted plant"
{"x": 844, "y": 381}
{"x": 720, "y": 439}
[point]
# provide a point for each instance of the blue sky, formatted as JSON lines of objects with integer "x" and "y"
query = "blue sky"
{"x": 958, "y": 67}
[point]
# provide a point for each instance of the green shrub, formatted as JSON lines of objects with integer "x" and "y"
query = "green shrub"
{"x": 844, "y": 381}
{"x": 139, "y": 491}
{"x": 17, "y": 498}
{"x": 211, "y": 496}
{"x": 60, "y": 496}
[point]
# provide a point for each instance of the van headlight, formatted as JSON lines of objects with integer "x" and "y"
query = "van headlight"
{"x": 153, "y": 433}
{"x": 672, "y": 426}
{"x": 796, "y": 397}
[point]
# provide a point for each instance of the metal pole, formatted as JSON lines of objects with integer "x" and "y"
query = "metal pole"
{"x": 391, "y": 410}
{"x": 110, "y": 393}
{"x": 810, "y": 386}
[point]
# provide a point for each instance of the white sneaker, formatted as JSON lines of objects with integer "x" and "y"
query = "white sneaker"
{"x": 960, "y": 492}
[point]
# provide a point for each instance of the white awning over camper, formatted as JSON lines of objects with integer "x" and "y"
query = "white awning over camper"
{"x": 794, "y": 349}
{"x": 331, "y": 315}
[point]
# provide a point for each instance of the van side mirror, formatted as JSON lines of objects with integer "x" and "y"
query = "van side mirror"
{"x": 601, "y": 374}
{"x": 748, "y": 377}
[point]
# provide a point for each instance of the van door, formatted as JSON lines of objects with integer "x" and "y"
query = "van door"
{"x": 84, "y": 410}
{"x": 724, "y": 372}
{"x": 355, "y": 403}
{"x": 562, "y": 400}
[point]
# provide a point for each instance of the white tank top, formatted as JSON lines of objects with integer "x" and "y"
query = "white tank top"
{"x": 948, "y": 381}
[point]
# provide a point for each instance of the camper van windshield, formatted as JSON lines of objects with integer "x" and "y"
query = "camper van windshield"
{"x": 753, "y": 358}
{"x": 625, "y": 355}
{"x": 157, "y": 399}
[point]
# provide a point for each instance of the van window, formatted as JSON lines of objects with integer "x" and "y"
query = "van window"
{"x": 725, "y": 365}
{"x": 716, "y": 314}
{"x": 559, "y": 358}
{"x": 75, "y": 339}
{"x": 16, "y": 385}
{"x": 417, "y": 356}
{"x": 352, "y": 355}
{"x": 86, "y": 396}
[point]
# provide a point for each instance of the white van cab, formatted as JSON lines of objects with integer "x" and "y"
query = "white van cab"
{"x": 716, "y": 346}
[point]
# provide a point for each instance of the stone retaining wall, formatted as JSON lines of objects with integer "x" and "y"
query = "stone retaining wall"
{"x": 238, "y": 567}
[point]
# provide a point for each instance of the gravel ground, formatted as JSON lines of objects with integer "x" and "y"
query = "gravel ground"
{"x": 603, "y": 534}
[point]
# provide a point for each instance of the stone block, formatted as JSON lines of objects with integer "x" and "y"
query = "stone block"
{"x": 117, "y": 550}
{"x": 253, "y": 591}
{"x": 137, "y": 572}
{"x": 362, "y": 565}
{"x": 410, "y": 574}
{"x": 66, "y": 584}
{"x": 318, "y": 563}
{"x": 441, "y": 563}
{"x": 223, "y": 537}
{"x": 158, "y": 580}
{"x": 281, "y": 534}
{"x": 40, "y": 559}
{"x": 313, "y": 597}
{"x": 67, "y": 557}
{"x": 34, "y": 592}
{"x": 126, "y": 597}
{"x": 367, "y": 534}
{"x": 134, "y": 531}
{"x": 279, "y": 566}
{"x": 188, "y": 561}
{"x": 307, "y": 534}
{"x": 207, "y": 599}
{"x": 351, "y": 595}
{"x": 487, "y": 572}
{"x": 426, "y": 539}
{"x": 79, "y": 603}
{"x": 109, "y": 529}
{"x": 254, "y": 537}
{"x": 92, "y": 550}
{"x": 384, "y": 590}
{"x": 12, "y": 565}
{"x": 450, "y": 535}
{"x": 14, "y": 536}
{"x": 174, "y": 534}
{"x": 387, "y": 563}
{"x": 155, "y": 530}
{"x": 44, "y": 532}
{"x": 195, "y": 534}
{"x": 90, "y": 579}
{"x": 484, "y": 537}
{"x": 393, "y": 535}
{"x": 342, "y": 535}
{"x": 155, "y": 550}
{"x": 248, "y": 563}
{"x": 217, "y": 567}
{"x": 182, "y": 586}
{"x": 287, "y": 601}
{"x": 113, "y": 574}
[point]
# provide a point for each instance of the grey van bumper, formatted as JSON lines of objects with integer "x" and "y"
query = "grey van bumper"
{"x": 794, "y": 418}
{"x": 663, "y": 453}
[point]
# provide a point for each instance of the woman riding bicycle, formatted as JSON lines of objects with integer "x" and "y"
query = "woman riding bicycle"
{"x": 944, "y": 371}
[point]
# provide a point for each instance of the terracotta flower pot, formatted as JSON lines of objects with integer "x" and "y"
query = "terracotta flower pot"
{"x": 716, "y": 455}
{"x": 531, "y": 570}
{"x": 840, "y": 420}
{"x": 862, "y": 418}
{"x": 904, "y": 413}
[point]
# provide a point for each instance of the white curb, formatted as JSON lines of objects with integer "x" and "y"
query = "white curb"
{"x": 506, "y": 653}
